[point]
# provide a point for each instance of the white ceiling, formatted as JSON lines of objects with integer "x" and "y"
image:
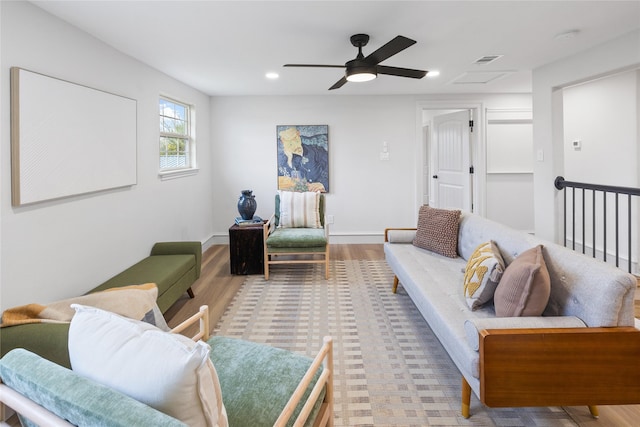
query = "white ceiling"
{"x": 226, "y": 47}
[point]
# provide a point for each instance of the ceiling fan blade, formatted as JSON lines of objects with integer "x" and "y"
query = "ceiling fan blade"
{"x": 313, "y": 65}
{"x": 339, "y": 83}
{"x": 401, "y": 72}
{"x": 396, "y": 45}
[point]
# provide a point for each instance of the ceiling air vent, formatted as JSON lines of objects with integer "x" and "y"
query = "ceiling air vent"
{"x": 487, "y": 59}
{"x": 479, "y": 77}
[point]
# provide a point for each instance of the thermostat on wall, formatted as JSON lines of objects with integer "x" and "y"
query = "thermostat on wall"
{"x": 577, "y": 144}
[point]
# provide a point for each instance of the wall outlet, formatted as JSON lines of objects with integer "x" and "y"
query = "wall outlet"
{"x": 384, "y": 156}
{"x": 329, "y": 219}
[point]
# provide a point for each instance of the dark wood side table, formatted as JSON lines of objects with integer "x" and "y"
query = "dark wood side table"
{"x": 246, "y": 250}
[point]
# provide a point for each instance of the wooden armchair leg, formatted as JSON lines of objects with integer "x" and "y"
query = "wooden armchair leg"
{"x": 594, "y": 411}
{"x": 466, "y": 398}
{"x": 395, "y": 284}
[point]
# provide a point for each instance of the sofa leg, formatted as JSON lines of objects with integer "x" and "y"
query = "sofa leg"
{"x": 190, "y": 293}
{"x": 466, "y": 398}
{"x": 395, "y": 284}
{"x": 594, "y": 411}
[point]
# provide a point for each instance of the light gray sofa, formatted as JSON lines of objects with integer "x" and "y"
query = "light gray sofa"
{"x": 582, "y": 351}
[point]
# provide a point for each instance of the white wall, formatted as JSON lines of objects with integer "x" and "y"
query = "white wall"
{"x": 366, "y": 194}
{"x": 603, "y": 116}
{"x": 619, "y": 54}
{"x": 510, "y": 168}
{"x": 59, "y": 249}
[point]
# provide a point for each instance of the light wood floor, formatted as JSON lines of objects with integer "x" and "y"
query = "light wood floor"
{"x": 217, "y": 287}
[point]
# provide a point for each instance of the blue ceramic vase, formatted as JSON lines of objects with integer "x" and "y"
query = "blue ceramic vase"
{"x": 247, "y": 204}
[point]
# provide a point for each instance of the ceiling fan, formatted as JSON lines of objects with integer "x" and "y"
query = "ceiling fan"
{"x": 362, "y": 69}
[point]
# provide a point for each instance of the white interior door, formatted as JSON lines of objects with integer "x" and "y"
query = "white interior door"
{"x": 451, "y": 178}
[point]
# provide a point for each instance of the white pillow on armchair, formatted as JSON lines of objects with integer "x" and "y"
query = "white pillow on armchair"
{"x": 299, "y": 209}
{"x": 168, "y": 372}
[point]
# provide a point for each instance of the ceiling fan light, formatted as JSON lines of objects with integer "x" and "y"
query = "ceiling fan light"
{"x": 361, "y": 77}
{"x": 361, "y": 73}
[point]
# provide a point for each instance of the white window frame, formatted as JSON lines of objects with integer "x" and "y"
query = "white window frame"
{"x": 189, "y": 137}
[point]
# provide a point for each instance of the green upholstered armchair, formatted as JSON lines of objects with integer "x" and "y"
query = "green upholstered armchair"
{"x": 261, "y": 386}
{"x": 297, "y": 233}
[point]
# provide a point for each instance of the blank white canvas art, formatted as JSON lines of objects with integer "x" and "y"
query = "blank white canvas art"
{"x": 68, "y": 139}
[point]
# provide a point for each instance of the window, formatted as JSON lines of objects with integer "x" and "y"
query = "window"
{"x": 176, "y": 136}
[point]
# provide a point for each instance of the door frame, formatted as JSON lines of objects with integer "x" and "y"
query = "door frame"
{"x": 477, "y": 153}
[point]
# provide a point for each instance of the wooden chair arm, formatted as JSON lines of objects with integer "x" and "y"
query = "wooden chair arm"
{"x": 324, "y": 357}
{"x": 326, "y": 230}
{"x": 386, "y": 231}
{"x": 559, "y": 366}
{"x": 202, "y": 317}
{"x": 268, "y": 227}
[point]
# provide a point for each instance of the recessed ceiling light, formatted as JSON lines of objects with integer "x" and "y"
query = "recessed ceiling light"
{"x": 433, "y": 73}
{"x": 272, "y": 75}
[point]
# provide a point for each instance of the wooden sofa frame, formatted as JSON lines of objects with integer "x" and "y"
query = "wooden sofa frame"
{"x": 558, "y": 367}
{"x": 324, "y": 357}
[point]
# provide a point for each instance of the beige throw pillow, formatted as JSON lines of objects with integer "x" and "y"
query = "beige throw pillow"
{"x": 525, "y": 286}
{"x": 299, "y": 210}
{"x": 438, "y": 230}
{"x": 482, "y": 274}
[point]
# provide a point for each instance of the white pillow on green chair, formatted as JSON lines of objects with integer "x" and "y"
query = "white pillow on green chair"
{"x": 299, "y": 209}
{"x": 168, "y": 372}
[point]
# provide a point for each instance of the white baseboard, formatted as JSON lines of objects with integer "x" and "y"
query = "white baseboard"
{"x": 356, "y": 238}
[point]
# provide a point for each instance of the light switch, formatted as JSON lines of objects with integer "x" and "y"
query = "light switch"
{"x": 540, "y": 155}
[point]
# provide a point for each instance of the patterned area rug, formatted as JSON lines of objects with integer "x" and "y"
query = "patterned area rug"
{"x": 390, "y": 370}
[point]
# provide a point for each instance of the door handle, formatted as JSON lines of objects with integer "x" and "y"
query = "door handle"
{"x": 435, "y": 176}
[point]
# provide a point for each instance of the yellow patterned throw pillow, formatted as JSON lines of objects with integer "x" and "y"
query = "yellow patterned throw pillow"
{"x": 482, "y": 274}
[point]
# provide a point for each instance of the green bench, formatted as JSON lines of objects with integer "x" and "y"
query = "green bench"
{"x": 172, "y": 266}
